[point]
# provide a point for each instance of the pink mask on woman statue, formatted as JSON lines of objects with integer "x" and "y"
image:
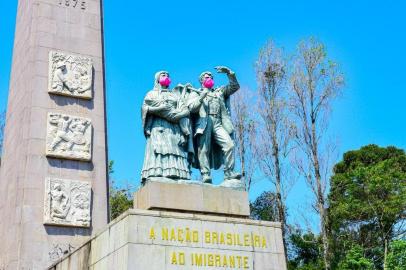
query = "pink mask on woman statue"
{"x": 165, "y": 81}
{"x": 208, "y": 83}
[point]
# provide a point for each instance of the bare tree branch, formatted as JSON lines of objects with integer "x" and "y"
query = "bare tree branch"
{"x": 245, "y": 133}
{"x": 314, "y": 83}
{"x": 274, "y": 127}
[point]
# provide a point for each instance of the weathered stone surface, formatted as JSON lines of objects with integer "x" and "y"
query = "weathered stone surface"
{"x": 60, "y": 250}
{"x": 193, "y": 198}
{"x": 70, "y": 75}
{"x": 44, "y": 26}
{"x": 69, "y": 137}
{"x": 156, "y": 240}
{"x": 67, "y": 202}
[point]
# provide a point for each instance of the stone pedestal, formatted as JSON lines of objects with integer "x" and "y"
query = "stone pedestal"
{"x": 192, "y": 197}
{"x": 199, "y": 229}
{"x": 158, "y": 240}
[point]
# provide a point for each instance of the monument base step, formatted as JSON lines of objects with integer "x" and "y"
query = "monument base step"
{"x": 192, "y": 197}
{"x": 158, "y": 240}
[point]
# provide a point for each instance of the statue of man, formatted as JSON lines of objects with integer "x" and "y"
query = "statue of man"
{"x": 213, "y": 127}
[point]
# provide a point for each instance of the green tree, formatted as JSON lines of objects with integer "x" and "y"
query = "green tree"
{"x": 397, "y": 255}
{"x": 305, "y": 251}
{"x": 355, "y": 260}
{"x": 368, "y": 201}
{"x": 265, "y": 207}
{"x": 120, "y": 199}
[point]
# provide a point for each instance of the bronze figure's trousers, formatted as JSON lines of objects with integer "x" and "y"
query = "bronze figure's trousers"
{"x": 221, "y": 137}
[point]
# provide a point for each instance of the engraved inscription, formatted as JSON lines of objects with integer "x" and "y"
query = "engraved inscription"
{"x": 70, "y": 75}
{"x": 67, "y": 202}
{"x": 73, "y": 3}
{"x": 69, "y": 137}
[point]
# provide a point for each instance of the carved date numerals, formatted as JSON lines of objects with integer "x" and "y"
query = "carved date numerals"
{"x": 73, "y": 3}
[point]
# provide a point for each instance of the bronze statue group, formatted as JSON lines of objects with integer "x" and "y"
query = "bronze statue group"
{"x": 187, "y": 127}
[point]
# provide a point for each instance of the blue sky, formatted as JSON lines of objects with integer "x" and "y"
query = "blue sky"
{"x": 367, "y": 38}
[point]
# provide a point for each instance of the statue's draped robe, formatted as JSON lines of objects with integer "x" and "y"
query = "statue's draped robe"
{"x": 165, "y": 155}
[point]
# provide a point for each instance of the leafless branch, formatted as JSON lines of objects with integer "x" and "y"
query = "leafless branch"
{"x": 314, "y": 83}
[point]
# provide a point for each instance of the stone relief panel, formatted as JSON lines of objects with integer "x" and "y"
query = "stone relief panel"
{"x": 67, "y": 202}
{"x": 69, "y": 137}
{"x": 70, "y": 75}
{"x": 59, "y": 250}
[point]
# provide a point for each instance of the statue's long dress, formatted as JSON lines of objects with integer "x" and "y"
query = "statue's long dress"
{"x": 164, "y": 153}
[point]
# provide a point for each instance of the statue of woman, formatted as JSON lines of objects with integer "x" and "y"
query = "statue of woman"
{"x": 166, "y": 149}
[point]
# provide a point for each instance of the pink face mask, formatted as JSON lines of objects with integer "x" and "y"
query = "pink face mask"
{"x": 164, "y": 81}
{"x": 208, "y": 83}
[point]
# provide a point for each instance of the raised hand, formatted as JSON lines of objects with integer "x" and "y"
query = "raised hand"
{"x": 223, "y": 69}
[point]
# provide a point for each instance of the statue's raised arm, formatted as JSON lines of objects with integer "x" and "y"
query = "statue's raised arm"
{"x": 233, "y": 85}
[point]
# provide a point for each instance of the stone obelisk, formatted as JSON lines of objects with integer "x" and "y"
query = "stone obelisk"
{"x": 53, "y": 179}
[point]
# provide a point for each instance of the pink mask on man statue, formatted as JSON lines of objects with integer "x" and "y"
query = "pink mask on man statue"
{"x": 165, "y": 81}
{"x": 208, "y": 83}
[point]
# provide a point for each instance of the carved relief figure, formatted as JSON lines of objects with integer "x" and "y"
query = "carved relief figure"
{"x": 78, "y": 128}
{"x": 60, "y": 203}
{"x": 85, "y": 81}
{"x": 168, "y": 131}
{"x": 81, "y": 204}
{"x": 60, "y": 250}
{"x": 62, "y": 123}
{"x": 69, "y": 137}
{"x": 67, "y": 202}
{"x": 70, "y": 75}
{"x": 59, "y": 79}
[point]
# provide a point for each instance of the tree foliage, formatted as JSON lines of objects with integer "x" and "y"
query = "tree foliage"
{"x": 305, "y": 251}
{"x": 265, "y": 207}
{"x": 368, "y": 200}
{"x": 120, "y": 199}
{"x": 355, "y": 260}
{"x": 397, "y": 255}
